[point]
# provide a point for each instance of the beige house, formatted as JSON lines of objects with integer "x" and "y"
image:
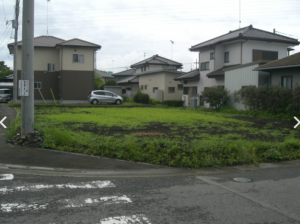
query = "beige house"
{"x": 156, "y": 78}
{"x": 64, "y": 67}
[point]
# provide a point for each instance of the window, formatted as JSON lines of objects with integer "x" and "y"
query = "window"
{"x": 180, "y": 86}
{"x": 264, "y": 55}
{"x": 108, "y": 94}
{"x": 145, "y": 87}
{"x": 286, "y": 82}
{"x": 171, "y": 89}
{"x": 221, "y": 87}
{"x": 204, "y": 66}
{"x": 263, "y": 79}
{"x": 226, "y": 57}
{"x": 51, "y": 67}
{"x": 186, "y": 90}
{"x": 37, "y": 85}
{"x": 212, "y": 55}
{"x": 142, "y": 87}
{"x": 143, "y": 69}
{"x": 78, "y": 58}
{"x": 99, "y": 93}
{"x": 4, "y": 91}
{"x": 248, "y": 86}
{"x": 155, "y": 88}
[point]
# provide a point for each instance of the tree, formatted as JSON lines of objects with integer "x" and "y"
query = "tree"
{"x": 4, "y": 70}
{"x": 98, "y": 82}
{"x": 216, "y": 96}
{"x": 110, "y": 82}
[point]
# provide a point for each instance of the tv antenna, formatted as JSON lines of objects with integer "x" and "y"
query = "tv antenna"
{"x": 172, "y": 48}
{"x": 47, "y": 17}
{"x": 240, "y": 15}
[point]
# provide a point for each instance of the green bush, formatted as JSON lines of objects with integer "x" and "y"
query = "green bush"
{"x": 125, "y": 98}
{"x": 98, "y": 82}
{"x": 155, "y": 102}
{"x": 109, "y": 82}
{"x": 173, "y": 103}
{"x": 274, "y": 99}
{"x": 217, "y": 97}
{"x": 140, "y": 97}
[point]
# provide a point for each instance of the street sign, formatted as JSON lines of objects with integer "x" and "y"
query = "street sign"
{"x": 23, "y": 87}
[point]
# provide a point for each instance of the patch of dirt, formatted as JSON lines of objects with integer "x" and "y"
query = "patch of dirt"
{"x": 173, "y": 131}
{"x": 268, "y": 123}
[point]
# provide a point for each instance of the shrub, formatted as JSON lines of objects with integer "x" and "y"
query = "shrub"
{"x": 173, "y": 103}
{"x": 155, "y": 102}
{"x": 98, "y": 82}
{"x": 125, "y": 98}
{"x": 273, "y": 99}
{"x": 248, "y": 97}
{"x": 140, "y": 97}
{"x": 216, "y": 96}
{"x": 110, "y": 82}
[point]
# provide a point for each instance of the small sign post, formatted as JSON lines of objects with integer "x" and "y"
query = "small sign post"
{"x": 23, "y": 87}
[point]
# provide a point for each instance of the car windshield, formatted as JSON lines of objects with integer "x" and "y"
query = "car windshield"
{"x": 4, "y": 91}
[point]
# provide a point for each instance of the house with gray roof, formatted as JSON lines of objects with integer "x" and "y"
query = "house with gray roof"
{"x": 124, "y": 74}
{"x": 228, "y": 60}
{"x": 156, "y": 78}
{"x": 62, "y": 67}
{"x": 284, "y": 72}
{"x": 103, "y": 75}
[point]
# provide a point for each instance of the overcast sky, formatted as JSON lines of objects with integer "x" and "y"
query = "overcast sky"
{"x": 129, "y": 29}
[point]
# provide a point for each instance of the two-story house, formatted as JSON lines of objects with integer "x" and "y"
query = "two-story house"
{"x": 228, "y": 60}
{"x": 64, "y": 68}
{"x": 156, "y": 78}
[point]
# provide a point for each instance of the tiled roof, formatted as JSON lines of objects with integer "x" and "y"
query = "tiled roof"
{"x": 192, "y": 75}
{"x": 246, "y": 33}
{"x": 103, "y": 74}
{"x": 220, "y": 72}
{"x": 289, "y": 61}
{"x": 126, "y": 72}
{"x": 156, "y": 60}
{"x": 50, "y": 41}
{"x": 159, "y": 70}
{"x": 43, "y": 41}
{"x": 132, "y": 79}
{"x": 78, "y": 42}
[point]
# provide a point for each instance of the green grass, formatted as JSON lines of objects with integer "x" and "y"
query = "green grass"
{"x": 211, "y": 139}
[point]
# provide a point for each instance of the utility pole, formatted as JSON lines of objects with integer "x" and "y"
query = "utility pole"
{"x": 15, "y": 87}
{"x": 27, "y": 106}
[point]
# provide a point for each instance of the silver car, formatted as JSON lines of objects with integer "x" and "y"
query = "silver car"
{"x": 103, "y": 96}
{"x": 5, "y": 95}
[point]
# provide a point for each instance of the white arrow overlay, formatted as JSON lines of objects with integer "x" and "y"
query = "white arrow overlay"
{"x": 1, "y": 122}
{"x": 297, "y": 123}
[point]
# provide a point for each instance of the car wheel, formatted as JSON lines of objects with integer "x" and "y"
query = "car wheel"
{"x": 118, "y": 102}
{"x": 94, "y": 102}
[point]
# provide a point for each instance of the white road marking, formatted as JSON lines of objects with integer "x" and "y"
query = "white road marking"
{"x": 135, "y": 219}
{"x": 1, "y": 122}
{"x": 77, "y": 203}
{"x": 86, "y": 185}
{"x": 14, "y": 207}
{"x": 6, "y": 176}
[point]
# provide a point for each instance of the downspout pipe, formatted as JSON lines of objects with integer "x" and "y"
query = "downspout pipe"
{"x": 242, "y": 51}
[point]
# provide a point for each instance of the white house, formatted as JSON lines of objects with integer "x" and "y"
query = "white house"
{"x": 228, "y": 60}
{"x": 155, "y": 77}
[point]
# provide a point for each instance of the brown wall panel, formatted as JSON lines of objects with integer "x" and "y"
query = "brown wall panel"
{"x": 48, "y": 80}
{"x": 75, "y": 85}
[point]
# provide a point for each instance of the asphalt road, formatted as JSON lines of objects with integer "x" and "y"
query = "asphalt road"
{"x": 199, "y": 197}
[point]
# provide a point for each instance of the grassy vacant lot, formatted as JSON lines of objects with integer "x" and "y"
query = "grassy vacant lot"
{"x": 168, "y": 136}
